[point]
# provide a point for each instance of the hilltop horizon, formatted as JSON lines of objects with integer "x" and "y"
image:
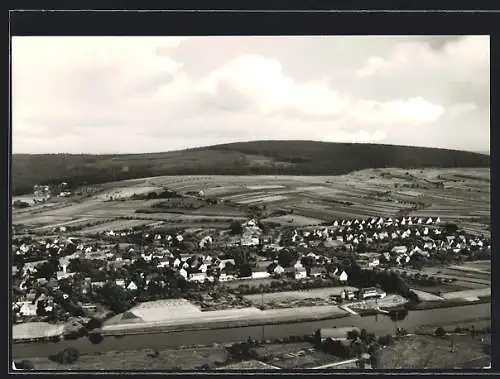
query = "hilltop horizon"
{"x": 241, "y": 158}
{"x": 190, "y": 148}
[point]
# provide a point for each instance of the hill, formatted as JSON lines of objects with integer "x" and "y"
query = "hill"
{"x": 245, "y": 158}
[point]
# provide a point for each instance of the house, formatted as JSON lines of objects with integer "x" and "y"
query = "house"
{"x": 120, "y": 282}
{"x": 27, "y": 309}
{"x": 132, "y": 286}
{"x": 403, "y": 258}
{"x": 336, "y": 334}
{"x": 399, "y": 250}
{"x": 260, "y": 275}
{"x": 300, "y": 273}
{"x": 183, "y": 273}
{"x": 343, "y": 276}
{"x": 223, "y": 262}
{"x": 225, "y": 277}
{"x": 371, "y": 293}
{"x": 278, "y": 270}
{"x": 374, "y": 262}
{"x": 89, "y": 307}
{"x": 199, "y": 277}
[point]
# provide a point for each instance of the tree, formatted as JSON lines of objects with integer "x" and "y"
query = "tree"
{"x": 47, "y": 270}
{"x": 386, "y": 340}
{"x": 115, "y": 297}
{"x": 439, "y": 332}
{"x": 244, "y": 270}
{"x": 67, "y": 356}
{"x": 95, "y": 338}
{"x": 236, "y": 228}
{"x": 286, "y": 258}
{"x": 352, "y": 335}
{"x": 375, "y": 357}
{"x": 363, "y": 335}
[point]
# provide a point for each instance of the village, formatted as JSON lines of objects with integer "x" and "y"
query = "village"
{"x": 77, "y": 283}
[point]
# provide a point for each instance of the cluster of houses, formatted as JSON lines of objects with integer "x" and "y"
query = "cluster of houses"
{"x": 406, "y": 236}
{"x": 410, "y": 235}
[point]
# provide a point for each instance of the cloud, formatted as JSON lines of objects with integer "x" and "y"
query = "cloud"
{"x": 467, "y": 56}
{"x": 139, "y": 94}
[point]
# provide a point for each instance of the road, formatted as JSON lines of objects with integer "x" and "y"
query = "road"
{"x": 379, "y": 325}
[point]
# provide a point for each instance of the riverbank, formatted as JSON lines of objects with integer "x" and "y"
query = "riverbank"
{"x": 380, "y": 325}
{"x": 267, "y": 318}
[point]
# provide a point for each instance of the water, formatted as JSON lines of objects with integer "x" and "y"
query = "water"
{"x": 380, "y": 325}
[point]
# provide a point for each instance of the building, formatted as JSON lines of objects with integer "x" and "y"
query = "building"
{"x": 199, "y": 277}
{"x": 260, "y": 275}
{"x": 371, "y": 293}
{"x": 336, "y": 334}
{"x": 343, "y": 276}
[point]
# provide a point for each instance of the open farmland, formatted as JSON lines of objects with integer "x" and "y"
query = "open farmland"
{"x": 117, "y": 225}
{"x": 301, "y": 200}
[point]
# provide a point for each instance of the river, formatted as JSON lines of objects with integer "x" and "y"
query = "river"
{"x": 379, "y": 325}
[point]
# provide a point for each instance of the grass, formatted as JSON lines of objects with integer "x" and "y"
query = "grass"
{"x": 428, "y": 352}
{"x": 185, "y": 359}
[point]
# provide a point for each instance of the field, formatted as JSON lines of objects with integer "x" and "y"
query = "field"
{"x": 291, "y": 296}
{"x": 307, "y": 200}
{"x": 427, "y": 352}
{"x": 180, "y": 359}
{"x": 172, "y": 314}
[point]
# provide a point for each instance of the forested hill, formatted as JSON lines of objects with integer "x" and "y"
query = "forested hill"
{"x": 243, "y": 158}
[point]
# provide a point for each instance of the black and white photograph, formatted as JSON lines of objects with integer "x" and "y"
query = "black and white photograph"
{"x": 229, "y": 203}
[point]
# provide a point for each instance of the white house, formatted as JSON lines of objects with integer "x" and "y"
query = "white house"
{"x": 300, "y": 274}
{"x": 343, "y": 276}
{"x": 225, "y": 278}
{"x": 224, "y": 262}
{"x": 199, "y": 277}
{"x": 399, "y": 250}
{"x": 203, "y": 268}
{"x": 374, "y": 262}
{"x": 183, "y": 273}
{"x": 278, "y": 270}
{"x": 27, "y": 309}
{"x": 260, "y": 275}
{"x": 132, "y": 286}
{"x": 120, "y": 282}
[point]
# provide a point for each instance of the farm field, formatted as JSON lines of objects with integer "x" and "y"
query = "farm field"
{"x": 312, "y": 199}
{"x": 296, "y": 220}
{"x": 117, "y": 225}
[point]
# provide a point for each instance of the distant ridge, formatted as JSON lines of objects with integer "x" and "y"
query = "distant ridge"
{"x": 241, "y": 158}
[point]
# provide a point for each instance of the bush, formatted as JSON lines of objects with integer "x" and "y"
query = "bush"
{"x": 439, "y": 332}
{"x": 95, "y": 338}
{"x": 386, "y": 340}
{"x": 458, "y": 329}
{"x": 67, "y": 356}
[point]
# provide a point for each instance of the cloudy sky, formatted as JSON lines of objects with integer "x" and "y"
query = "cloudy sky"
{"x": 152, "y": 94}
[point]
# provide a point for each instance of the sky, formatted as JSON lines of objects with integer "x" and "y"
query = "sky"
{"x": 105, "y": 95}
